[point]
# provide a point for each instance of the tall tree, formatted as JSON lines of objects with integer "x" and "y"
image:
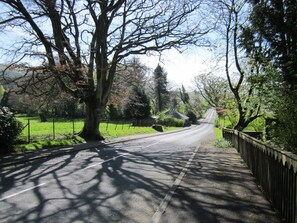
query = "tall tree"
{"x": 184, "y": 96}
{"x": 131, "y": 73}
{"x": 214, "y": 89}
{"x": 247, "y": 97}
{"x": 138, "y": 106}
{"x": 275, "y": 21}
{"x": 79, "y": 44}
{"x": 161, "y": 92}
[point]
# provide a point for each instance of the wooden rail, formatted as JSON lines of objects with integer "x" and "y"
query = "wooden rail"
{"x": 274, "y": 169}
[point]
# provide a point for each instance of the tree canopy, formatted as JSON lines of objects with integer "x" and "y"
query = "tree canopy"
{"x": 275, "y": 23}
{"x": 78, "y": 45}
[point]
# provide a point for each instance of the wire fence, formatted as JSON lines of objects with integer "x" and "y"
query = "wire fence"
{"x": 34, "y": 130}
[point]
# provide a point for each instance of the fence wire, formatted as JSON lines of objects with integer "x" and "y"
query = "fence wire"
{"x": 34, "y": 130}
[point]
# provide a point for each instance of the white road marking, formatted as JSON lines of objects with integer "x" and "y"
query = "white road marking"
{"x": 96, "y": 164}
{"x": 105, "y": 161}
{"x": 116, "y": 157}
{"x": 150, "y": 145}
{"x": 161, "y": 209}
{"x": 23, "y": 191}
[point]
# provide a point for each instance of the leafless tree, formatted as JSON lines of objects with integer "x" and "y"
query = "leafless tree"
{"x": 79, "y": 44}
{"x": 214, "y": 89}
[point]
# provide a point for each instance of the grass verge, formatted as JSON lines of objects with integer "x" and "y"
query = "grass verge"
{"x": 48, "y": 144}
{"x": 41, "y": 133}
{"x": 219, "y": 134}
{"x": 220, "y": 141}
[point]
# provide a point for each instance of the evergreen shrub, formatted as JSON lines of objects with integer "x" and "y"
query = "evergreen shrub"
{"x": 171, "y": 121}
{"x": 10, "y": 129}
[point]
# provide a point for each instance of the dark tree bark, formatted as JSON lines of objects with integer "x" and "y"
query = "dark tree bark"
{"x": 90, "y": 131}
{"x": 248, "y": 111}
{"x": 80, "y": 44}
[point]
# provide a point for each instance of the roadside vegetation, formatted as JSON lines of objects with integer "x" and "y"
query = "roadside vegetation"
{"x": 43, "y": 135}
{"x": 252, "y": 85}
{"x": 10, "y": 129}
{"x": 259, "y": 88}
{"x": 229, "y": 121}
{"x": 59, "y": 120}
{"x": 220, "y": 142}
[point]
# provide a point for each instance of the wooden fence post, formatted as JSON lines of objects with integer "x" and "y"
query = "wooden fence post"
{"x": 29, "y": 139}
{"x": 295, "y": 205}
{"x": 53, "y": 128}
{"x": 274, "y": 169}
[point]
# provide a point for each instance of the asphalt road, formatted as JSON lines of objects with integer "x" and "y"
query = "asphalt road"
{"x": 144, "y": 180}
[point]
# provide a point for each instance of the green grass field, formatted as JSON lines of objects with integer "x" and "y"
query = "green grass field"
{"x": 62, "y": 127}
{"x": 61, "y": 131}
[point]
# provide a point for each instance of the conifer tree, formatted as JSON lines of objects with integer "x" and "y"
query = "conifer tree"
{"x": 161, "y": 92}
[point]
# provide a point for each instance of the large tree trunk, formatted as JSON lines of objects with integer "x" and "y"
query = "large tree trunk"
{"x": 91, "y": 130}
{"x": 241, "y": 124}
{"x": 244, "y": 121}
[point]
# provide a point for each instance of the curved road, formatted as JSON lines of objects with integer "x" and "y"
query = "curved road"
{"x": 133, "y": 181}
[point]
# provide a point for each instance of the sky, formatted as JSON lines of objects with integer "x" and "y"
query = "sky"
{"x": 182, "y": 67}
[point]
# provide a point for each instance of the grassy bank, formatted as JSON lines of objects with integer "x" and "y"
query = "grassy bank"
{"x": 219, "y": 134}
{"x": 220, "y": 142}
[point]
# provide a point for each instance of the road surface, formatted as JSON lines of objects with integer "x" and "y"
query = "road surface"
{"x": 156, "y": 179}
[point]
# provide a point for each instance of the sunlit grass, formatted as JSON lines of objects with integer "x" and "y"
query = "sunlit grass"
{"x": 48, "y": 144}
{"x": 219, "y": 134}
{"x": 61, "y": 132}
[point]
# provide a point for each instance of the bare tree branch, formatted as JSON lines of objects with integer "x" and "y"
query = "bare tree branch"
{"x": 79, "y": 44}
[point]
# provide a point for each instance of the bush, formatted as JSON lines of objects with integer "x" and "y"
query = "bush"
{"x": 171, "y": 121}
{"x": 113, "y": 112}
{"x": 284, "y": 131}
{"x": 10, "y": 129}
{"x": 217, "y": 122}
{"x": 222, "y": 143}
{"x": 192, "y": 117}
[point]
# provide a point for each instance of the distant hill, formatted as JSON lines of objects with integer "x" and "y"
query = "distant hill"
{"x": 9, "y": 75}
{"x": 12, "y": 73}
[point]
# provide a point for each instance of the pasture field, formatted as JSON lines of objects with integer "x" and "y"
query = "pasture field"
{"x": 56, "y": 132}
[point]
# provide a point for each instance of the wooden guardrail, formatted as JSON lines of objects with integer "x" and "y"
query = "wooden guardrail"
{"x": 274, "y": 169}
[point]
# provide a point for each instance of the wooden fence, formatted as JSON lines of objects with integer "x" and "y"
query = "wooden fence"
{"x": 274, "y": 169}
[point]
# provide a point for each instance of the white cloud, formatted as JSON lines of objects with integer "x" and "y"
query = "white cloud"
{"x": 181, "y": 67}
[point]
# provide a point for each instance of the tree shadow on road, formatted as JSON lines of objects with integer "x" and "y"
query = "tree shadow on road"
{"x": 122, "y": 186}
{"x": 219, "y": 188}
